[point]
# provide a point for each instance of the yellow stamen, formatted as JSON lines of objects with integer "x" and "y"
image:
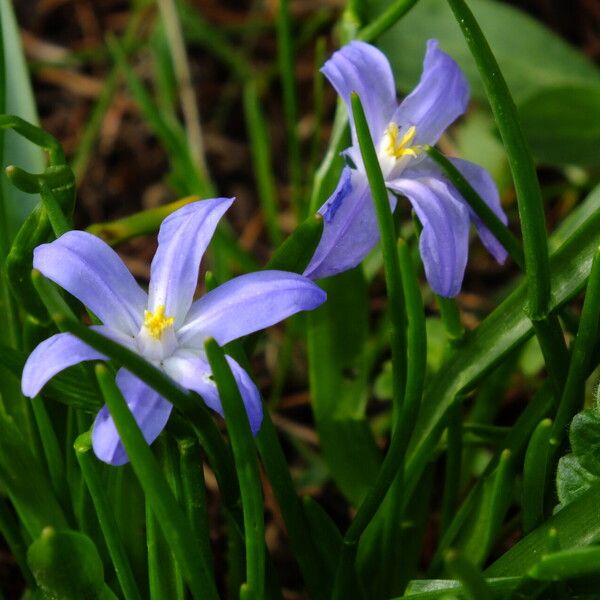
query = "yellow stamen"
{"x": 156, "y": 322}
{"x": 400, "y": 148}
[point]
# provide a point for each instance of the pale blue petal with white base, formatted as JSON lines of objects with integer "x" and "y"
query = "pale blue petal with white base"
{"x": 247, "y": 304}
{"x": 349, "y": 233}
{"x": 92, "y": 271}
{"x": 194, "y": 373}
{"x": 182, "y": 241}
{"x": 150, "y": 410}
{"x": 444, "y": 241}
{"x": 362, "y": 68}
{"x": 441, "y": 96}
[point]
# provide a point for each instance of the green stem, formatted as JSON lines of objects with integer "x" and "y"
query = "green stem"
{"x": 581, "y": 355}
{"x": 59, "y": 222}
{"x": 474, "y": 585}
{"x": 35, "y": 135}
{"x": 391, "y": 264}
{"x": 450, "y": 314}
{"x": 501, "y": 232}
{"x": 194, "y": 491}
{"x": 385, "y": 20}
{"x": 106, "y": 517}
{"x": 194, "y": 565}
{"x": 535, "y": 475}
{"x": 54, "y": 458}
{"x": 531, "y": 210}
{"x": 261, "y": 159}
{"x": 285, "y": 56}
{"x": 453, "y": 465}
{"x": 292, "y": 511}
{"x": 244, "y": 453}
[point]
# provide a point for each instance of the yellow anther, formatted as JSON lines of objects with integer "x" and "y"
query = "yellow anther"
{"x": 399, "y": 148}
{"x": 156, "y": 322}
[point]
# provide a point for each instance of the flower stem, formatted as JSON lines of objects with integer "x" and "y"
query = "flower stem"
{"x": 502, "y": 233}
{"x": 244, "y": 453}
{"x": 171, "y": 519}
{"x": 285, "y": 56}
{"x": 385, "y": 20}
{"x": 527, "y": 187}
{"x": 106, "y": 517}
{"x": 391, "y": 263}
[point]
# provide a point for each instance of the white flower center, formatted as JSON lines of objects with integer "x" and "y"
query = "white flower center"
{"x": 395, "y": 150}
{"x": 156, "y": 339}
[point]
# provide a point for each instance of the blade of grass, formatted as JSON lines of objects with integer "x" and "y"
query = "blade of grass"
{"x": 261, "y": 160}
{"x": 475, "y": 587}
{"x": 244, "y": 453}
{"x": 189, "y": 104}
{"x": 482, "y": 210}
{"x": 531, "y": 212}
{"x": 287, "y": 74}
{"x": 106, "y": 518}
{"x": 193, "y": 563}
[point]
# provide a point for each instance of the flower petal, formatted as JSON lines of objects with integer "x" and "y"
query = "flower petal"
{"x": 92, "y": 271}
{"x": 194, "y": 373}
{"x": 52, "y": 356}
{"x": 484, "y": 185}
{"x": 151, "y": 412}
{"x": 247, "y": 304}
{"x": 441, "y": 96}
{"x": 444, "y": 242}
{"x": 182, "y": 240}
{"x": 349, "y": 232}
{"x": 362, "y": 68}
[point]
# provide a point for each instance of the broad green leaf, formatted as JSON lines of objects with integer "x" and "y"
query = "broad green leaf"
{"x": 577, "y": 525}
{"x": 18, "y": 101}
{"x": 430, "y": 589}
{"x": 530, "y": 56}
{"x": 562, "y": 124}
{"x": 503, "y": 330}
{"x": 572, "y": 479}
{"x": 66, "y": 565}
{"x": 337, "y": 338}
{"x": 584, "y": 435}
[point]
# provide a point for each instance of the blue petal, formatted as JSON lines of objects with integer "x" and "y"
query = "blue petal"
{"x": 342, "y": 190}
{"x": 349, "y": 234}
{"x": 182, "y": 240}
{"x": 89, "y": 269}
{"x": 444, "y": 242}
{"x": 51, "y": 357}
{"x": 362, "y": 68}
{"x": 194, "y": 373}
{"x": 441, "y": 96}
{"x": 484, "y": 185}
{"x": 150, "y": 410}
{"x": 246, "y": 304}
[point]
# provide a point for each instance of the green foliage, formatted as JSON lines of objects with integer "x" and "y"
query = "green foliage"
{"x": 580, "y": 470}
{"x": 412, "y": 496}
{"x": 66, "y": 565}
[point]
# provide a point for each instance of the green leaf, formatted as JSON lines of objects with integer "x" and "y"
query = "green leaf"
{"x": 66, "y": 565}
{"x": 336, "y": 343}
{"x": 584, "y": 435}
{"x": 572, "y": 479}
{"x": 502, "y": 331}
{"x": 562, "y": 124}
{"x": 531, "y": 57}
{"x": 18, "y": 100}
{"x": 577, "y": 525}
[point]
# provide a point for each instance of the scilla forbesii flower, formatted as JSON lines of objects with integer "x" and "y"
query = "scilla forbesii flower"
{"x": 400, "y": 133}
{"x": 165, "y": 325}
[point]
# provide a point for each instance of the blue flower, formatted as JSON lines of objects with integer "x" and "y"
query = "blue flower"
{"x": 400, "y": 133}
{"x": 165, "y": 325}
